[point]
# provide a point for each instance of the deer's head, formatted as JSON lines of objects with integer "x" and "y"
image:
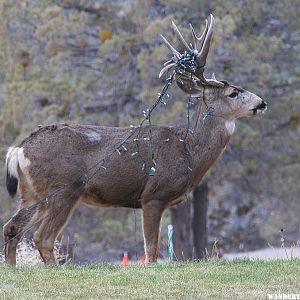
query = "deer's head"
{"x": 225, "y": 99}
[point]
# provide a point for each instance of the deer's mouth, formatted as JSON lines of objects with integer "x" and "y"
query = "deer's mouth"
{"x": 261, "y": 108}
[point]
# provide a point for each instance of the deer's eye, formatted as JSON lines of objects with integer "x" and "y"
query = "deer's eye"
{"x": 233, "y": 94}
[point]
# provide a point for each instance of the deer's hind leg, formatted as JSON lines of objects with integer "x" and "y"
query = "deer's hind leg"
{"x": 54, "y": 222}
{"x": 29, "y": 213}
{"x": 15, "y": 228}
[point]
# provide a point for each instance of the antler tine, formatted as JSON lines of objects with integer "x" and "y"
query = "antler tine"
{"x": 200, "y": 50}
{"x": 169, "y": 61}
{"x": 174, "y": 51}
{"x": 202, "y": 37}
{"x": 204, "y": 44}
{"x": 195, "y": 38}
{"x": 198, "y": 41}
{"x": 165, "y": 69}
{"x": 214, "y": 81}
{"x": 183, "y": 42}
{"x": 211, "y": 82}
{"x": 201, "y": 59}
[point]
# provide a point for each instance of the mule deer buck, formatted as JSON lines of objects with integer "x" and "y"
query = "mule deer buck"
{"x": 54, "y": 156}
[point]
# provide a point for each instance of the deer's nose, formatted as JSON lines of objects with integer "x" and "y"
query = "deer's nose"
{"x": 262, "y": 105}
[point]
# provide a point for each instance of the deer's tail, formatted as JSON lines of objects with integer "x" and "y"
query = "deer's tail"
{"x": 12, "y": 162}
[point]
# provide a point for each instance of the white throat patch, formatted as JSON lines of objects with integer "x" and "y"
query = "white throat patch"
{"x": 230, "y": 126}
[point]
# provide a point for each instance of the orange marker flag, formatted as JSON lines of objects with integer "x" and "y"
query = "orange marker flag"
{"x": 125, "y": 260}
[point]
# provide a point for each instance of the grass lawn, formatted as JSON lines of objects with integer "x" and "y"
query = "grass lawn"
{"x": 212, "y": 279}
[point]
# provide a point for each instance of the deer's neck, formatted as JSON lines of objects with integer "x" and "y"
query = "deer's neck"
{"x": 208, "y": 141}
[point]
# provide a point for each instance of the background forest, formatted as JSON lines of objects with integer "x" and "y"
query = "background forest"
{"x": 97, "y": 62}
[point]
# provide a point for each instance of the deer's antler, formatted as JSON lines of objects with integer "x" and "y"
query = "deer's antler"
{"x": 199, "y": 50}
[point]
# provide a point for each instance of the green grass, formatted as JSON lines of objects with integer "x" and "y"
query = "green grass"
{"x": 213, "y": 279}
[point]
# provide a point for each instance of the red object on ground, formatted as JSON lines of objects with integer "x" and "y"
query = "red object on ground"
{"x": 125, "y": 260}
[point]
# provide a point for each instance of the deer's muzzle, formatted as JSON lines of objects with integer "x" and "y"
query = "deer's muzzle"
{"x": 261, "y": 108}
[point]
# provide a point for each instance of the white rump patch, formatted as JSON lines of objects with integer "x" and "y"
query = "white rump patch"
{"x": 23, "y": 161}
{"x": 15, "y": 157}
{"x": 12, "y": 161}
{"x": 230, "y": 126}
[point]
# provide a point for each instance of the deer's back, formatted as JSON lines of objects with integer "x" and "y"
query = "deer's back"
{"x": 60, "y": 153}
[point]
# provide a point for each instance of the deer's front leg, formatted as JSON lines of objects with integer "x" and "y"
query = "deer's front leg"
{"x": 151, "y": 213}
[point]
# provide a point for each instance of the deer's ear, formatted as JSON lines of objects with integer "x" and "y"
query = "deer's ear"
{"x": 189, "y": 86}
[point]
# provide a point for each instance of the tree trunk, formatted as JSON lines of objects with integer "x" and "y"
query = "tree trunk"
{"x": 200, "y": 203}
{"x": 189, "y": 220}
{"x": 183, "y": 234}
